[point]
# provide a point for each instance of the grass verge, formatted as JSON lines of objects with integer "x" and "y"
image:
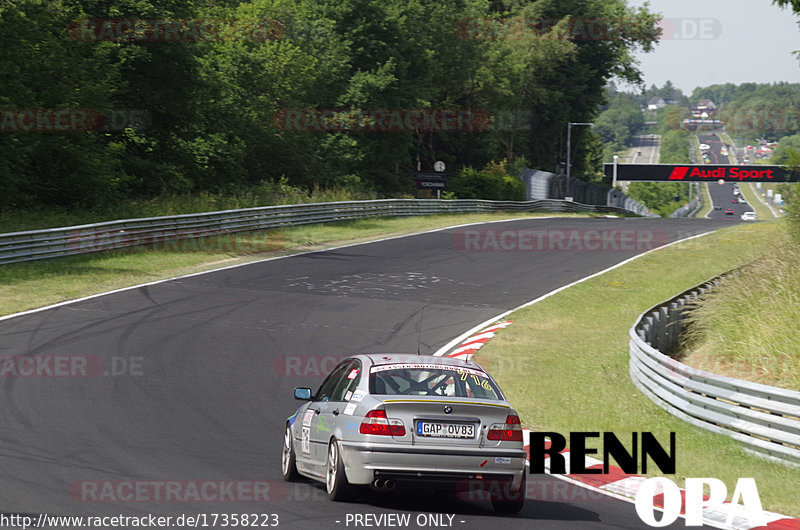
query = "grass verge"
{"x": 726, "y": 138}
{"x": 698, "y": 154}
{"x": 707, "y": 204}
{"x": 748, "y": 190}
{"x": 35, "y": 284}
{"x": 725, "y": 339}
{"x": 564, "y": 361}
{"x": 751, "y": 196}
{"x": 267, "y": 193}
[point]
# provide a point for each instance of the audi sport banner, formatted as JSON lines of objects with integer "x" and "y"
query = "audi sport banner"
{"x": 701, "y": 173}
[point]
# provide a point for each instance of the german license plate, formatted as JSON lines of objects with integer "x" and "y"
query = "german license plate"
{"x": 445, "y": 430}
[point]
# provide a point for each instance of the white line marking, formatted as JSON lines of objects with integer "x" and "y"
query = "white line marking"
{"x": 444, "y": 349}
{"x": 97, "y": 295}
{"x": 761, "y": 199}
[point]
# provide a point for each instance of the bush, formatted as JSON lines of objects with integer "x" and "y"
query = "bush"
{"x": 723, "y": 337}
{"x": 660, "y": 196}
{"x": 493, "y": 182}
{"x": 791, "y": 193}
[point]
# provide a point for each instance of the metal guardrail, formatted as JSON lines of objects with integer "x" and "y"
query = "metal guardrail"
{"x": 765, "y": 418}
{"x": 111, "y": 235}
{"x": 699, "y": 205}
{"x": 546, "y": 185}
{"x": 690, "y": 209}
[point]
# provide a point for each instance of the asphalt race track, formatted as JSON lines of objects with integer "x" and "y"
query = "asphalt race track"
{"x": 205, "y": 367}
{"x": 721, "y": 194}
{"x": 646, "y": 149}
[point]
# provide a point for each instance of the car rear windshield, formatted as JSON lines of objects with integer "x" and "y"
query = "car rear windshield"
{"x": 411, "y": 379}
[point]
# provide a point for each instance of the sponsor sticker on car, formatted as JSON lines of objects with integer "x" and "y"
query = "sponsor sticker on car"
{"x": 424, "y": 366}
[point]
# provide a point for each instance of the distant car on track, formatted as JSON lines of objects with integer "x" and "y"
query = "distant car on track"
{"x": 749, "y": 216}
{"x": 729, "y": 212}
{"x": 392, "y": 420}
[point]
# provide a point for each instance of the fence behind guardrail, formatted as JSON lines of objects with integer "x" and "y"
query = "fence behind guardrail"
{"x": 546, "y": 185}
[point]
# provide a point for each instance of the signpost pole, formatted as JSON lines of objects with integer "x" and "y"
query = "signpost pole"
{"x": 432, "y": 180}
{"x": 569, "y": 155}
{"x": 569, "y": 148}
{"x": 439, "y": 167}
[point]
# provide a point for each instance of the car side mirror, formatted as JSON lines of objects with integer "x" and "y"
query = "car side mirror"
{"x": 302, "y": 393}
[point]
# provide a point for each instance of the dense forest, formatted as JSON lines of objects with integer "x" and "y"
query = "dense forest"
{"x": 755, "y": 110}
{"x": 106, "y": 100}
{"x": 748, "y": 112}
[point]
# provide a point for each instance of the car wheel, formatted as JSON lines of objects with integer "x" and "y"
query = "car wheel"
{"x": 335, "y": 478}
{"x": 504, "y": 500}
{"x": 288, "y": 460}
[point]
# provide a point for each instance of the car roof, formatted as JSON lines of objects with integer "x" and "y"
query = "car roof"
{"x": 405, "y": 358}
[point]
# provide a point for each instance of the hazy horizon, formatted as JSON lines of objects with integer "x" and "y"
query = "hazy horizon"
{"x": 721, "y": 41}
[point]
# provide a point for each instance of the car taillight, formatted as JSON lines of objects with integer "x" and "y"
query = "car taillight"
{"x": 510, "y": 431}
{"x": 376, "y": 422}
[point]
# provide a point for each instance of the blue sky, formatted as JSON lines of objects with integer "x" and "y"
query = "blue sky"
{"x": 722, "y": 41}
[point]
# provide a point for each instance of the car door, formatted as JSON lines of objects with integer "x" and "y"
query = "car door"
{"x": 334, "y": 413}
{"x": 317, "y": 424}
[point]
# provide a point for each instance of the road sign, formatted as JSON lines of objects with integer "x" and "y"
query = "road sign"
{"x": 430, "y": 184}
{"x": 701, "y": 173}
{"x": 429, "y": 180}
{"x": 438, "y": 166}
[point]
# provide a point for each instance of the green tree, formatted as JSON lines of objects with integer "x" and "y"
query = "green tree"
{"x": 660, "y": 196}
{"x": 621, "y": 120}
{"x": 493, "y": 182}
{"x": 794, "y": 4}
{"x": 43, "y": 70}
{"x": 786, "y": 150}
{"x": 213, "y": 107}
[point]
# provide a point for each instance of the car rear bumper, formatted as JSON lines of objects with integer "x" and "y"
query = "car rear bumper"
{"x": 432, "y": 466}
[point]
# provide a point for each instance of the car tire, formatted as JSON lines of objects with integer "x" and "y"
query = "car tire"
{"x": 288, "y": 458}
{"x": 336, "y": 484}
{"x": 505, "y": 501}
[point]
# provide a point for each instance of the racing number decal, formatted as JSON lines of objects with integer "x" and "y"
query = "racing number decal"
{"x": 305, "y": 439}
{"x": 482, "y": 381}
{"x": 305, "y": 432}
